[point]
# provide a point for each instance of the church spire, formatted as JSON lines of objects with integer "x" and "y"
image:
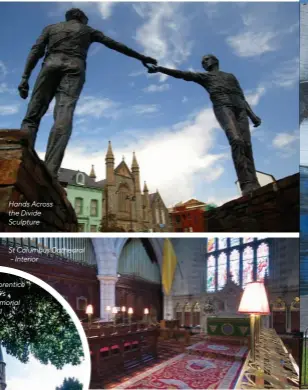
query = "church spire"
{"x": 92, "y": 173}
{"x": 145, "y": 187}
{"x": 135, "y": 165}
{"x": 110, "y": 180}
{"x": 109, "y": 154}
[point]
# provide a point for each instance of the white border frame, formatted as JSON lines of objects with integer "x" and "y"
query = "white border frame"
{"x": 70, "y": 311}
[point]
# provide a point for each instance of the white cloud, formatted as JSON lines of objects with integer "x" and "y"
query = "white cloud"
{"x": 3, "y": 69}
{"x": 282, "y": 140}
{"x": 105, "y": 8}
{"x": 253, "y": 98}
{"x": 9, "y": 109}
{"x": 169, "y": 158}
{"x": 97, "y": 107}
{"x": 164, "y": 33}
{"x": 5, "y": 89}
{"x": 287, "y": 75}
{"x": 252, "y": 43}
{"x": 286, "y": 143}
{"x": 141, "y": 109}
{"x": 157, "y": 88}
{"x": 261, "y": 32}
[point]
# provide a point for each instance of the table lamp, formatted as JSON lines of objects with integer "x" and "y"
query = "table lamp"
{"x": 114, "y": 312}
{"x": 254, "y": 302}
{"x": 123, "y": 310}
{"x": 146, "y": 313}
{"x": 130, "y": 313}
{"x": 89, "y": 312}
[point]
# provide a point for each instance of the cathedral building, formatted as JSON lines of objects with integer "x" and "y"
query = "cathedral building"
{"x": 2, "y": 371}
{"x": 125, "y": 204}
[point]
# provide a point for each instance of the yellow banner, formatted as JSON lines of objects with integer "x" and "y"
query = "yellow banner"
{"x": 169, "y": 266}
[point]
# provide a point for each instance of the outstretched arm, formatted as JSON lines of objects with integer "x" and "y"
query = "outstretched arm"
{"x": 178, "y": 74}
{"x": 98, "y": 36}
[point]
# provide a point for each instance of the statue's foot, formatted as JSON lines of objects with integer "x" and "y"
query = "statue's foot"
{"x": 249, "y": 188}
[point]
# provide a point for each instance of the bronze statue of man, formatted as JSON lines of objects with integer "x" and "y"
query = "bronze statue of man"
{"x": 65, "y": 46}
{"x": 231, "y": 110}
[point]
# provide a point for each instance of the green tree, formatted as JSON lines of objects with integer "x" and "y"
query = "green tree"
{"x": 70, "y": 384}
{"x": 210, "y": 206}
{"x": 33, "y": 322}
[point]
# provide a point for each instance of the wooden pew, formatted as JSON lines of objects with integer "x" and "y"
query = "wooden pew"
{"x": 111, "y": 353}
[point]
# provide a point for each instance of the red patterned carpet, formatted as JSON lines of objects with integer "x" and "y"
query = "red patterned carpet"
{"x": 188, "y": 371}
{"x": 218, "y": 350}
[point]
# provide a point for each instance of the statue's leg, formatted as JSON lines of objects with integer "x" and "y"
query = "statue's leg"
{"x": 251, "y": 169}
{"x": 67, "y": 96}
{"x": 227, "y": 120}
{"x": 43, "y": 93}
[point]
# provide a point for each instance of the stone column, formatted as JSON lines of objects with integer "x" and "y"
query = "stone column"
{"x": 168, "y": 307}
{"x": 107, "y": 294}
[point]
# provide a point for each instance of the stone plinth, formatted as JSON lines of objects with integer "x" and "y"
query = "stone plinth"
{"x": 272, "y": 208}
{"x": 31, "y": 200}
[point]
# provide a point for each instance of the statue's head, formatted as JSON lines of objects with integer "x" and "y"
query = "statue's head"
{"x": 76, "y": 14}
{"x": 209, "y": 61}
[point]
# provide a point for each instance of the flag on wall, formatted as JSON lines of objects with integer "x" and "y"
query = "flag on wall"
{"x": 169, "y": 266}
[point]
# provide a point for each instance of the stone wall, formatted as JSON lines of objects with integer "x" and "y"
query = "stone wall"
{"x": 272, "y": 208}
{"x": 30, "y": 199}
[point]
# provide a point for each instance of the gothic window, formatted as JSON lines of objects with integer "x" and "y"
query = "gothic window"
{"x": 222, "y": 271}
{"x": 234, "y": 242}
{"x": 246, "y": 240}
{"x": 211, "y": 274}
{"x": 93, "y": 206}
{"x": 235, "y": 266}
{"x": 211, "y": 245}
{"x": 78, "y": 206}
{"x": 163, "y": 219}
{"x": 157, "y": 215}
{"x": 262, "y": 261}
{"x": 247, "y": 265}
{"x": 242, "y": 262}
{"x": 222, "y": 243}
{"x": 123, "y": 199}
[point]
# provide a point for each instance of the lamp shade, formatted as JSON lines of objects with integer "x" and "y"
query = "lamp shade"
{"x": 146, "y": 311}
{"x": 130, "y": 311}
{"x": 254, "y": 300}
{"x": 89, "y": 309}
{"x": 114, "y": 310}
{"x": 123, "y": 309}
{"x": 108, "y": 308}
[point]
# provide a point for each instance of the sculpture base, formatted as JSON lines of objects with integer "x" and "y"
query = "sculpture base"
{"x": 31, "y": 200}
{"x": 272, "y": 208}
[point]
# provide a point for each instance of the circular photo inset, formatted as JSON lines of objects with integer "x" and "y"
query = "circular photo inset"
{"x": 42, "y": 343}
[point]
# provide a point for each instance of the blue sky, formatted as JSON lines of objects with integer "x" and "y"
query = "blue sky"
{"x": 168, "y": 122}
{"x": 36, "y": 376}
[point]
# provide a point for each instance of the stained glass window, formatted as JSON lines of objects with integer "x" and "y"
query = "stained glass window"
{"x": 246, "y": 240}
{"x": 222, "y": 270}
{"x": 211, "y": 276}
{"x": 262, "y": 261}
{"x": 234, "y": 242}
{"x": 222, "y": 243}
{"x": 211, "y": 244}
{"x": 247, "y": 265}
{"x": 235, "y": 266}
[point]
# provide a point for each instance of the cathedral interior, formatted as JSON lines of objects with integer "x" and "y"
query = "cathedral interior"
{"x": 170, "y": 313}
